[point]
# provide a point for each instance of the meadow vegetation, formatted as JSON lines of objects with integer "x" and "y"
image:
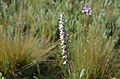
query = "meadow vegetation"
{"x": 29, "y": 39}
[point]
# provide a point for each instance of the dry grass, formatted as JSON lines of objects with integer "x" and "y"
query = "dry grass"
{"x": 21, "y": 49}
{"x": 93, "y": 52}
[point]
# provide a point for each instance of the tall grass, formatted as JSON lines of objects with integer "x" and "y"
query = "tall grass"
{"x": 93, "y": 46}
{"x": 90, "y": 51}
{"x": 20, "y": 50}
{"x": 29, "y": 30}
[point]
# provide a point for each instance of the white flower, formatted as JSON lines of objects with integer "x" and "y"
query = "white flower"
{"x": 65, "y": 56}
{"x": 63, "y": 39}
{"x": 64, "y": 47}
{"x": 65, "y": 62}
{"x": 64, "y": 52}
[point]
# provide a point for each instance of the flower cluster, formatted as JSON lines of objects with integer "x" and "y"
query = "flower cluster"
{"x": 87, "y": 10}
{"x": 63, "y": 39}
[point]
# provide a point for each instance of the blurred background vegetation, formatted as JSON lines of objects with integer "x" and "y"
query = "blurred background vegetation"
{"x": 29, "y": 39}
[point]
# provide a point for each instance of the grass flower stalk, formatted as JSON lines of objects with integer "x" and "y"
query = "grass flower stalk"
{"x": 63, "y": 43}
